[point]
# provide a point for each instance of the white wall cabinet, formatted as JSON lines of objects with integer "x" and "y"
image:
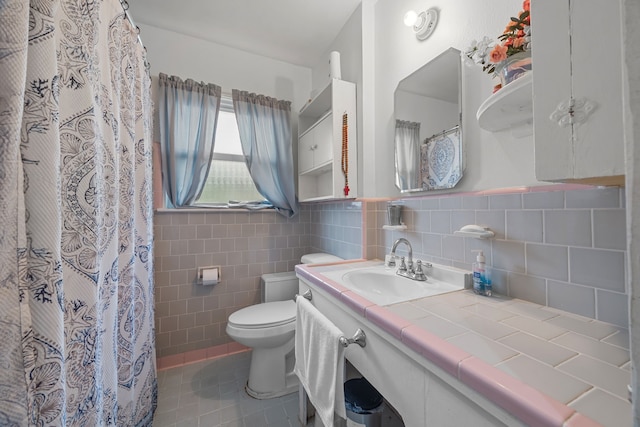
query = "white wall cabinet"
{"x": 577, "y": 91}
{"x": 320, "y": 144}
{"x": 315, "y": 146}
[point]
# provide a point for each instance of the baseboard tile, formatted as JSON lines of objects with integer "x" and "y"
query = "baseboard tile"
{"x": 194, "y": 356}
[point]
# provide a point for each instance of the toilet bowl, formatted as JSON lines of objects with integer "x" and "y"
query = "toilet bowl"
{"x": 269, "y": 329}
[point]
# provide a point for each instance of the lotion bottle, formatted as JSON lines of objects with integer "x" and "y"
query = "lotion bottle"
{"x": 481, "y": 283}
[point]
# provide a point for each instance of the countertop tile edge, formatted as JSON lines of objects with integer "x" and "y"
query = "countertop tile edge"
{"x": 442, "y": 353}
{"x": 333, "y": 288}
{"x": 387, "y": 320}
{"x": 355, "y": 302}
{"x": 521, "y": 400}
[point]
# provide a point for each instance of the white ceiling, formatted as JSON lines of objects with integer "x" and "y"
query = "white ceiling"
{"x": 295, "y": 31}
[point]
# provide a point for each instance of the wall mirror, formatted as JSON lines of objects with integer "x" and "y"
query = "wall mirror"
{"x": 428, "y": 127}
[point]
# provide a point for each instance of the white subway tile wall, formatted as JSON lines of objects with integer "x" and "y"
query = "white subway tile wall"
{"x": 337, "y": 228}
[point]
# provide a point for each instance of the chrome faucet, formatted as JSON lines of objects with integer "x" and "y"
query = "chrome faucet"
{"x": 407, "y": 269}
{"x": 410, "y": 250}
{"x": 403, "y": 269}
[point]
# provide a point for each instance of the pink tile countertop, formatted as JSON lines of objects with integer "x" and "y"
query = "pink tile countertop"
{"x": 545, "y": 366}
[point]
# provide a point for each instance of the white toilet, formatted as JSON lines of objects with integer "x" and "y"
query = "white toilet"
{"x": 269, "y": 329}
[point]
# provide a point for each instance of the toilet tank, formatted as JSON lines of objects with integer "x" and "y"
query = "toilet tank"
{"x": 284, "y": 286}
{"x": 278, "y": 286}
{"x": 319, "y": 258}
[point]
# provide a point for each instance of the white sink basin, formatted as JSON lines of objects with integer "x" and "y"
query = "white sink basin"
{"x": 382, "y": 286}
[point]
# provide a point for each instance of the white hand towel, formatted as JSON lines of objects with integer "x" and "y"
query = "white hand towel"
{"x": 320, "y": 361}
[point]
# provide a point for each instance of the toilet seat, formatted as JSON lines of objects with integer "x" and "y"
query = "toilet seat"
{"x": 264, "y": 315}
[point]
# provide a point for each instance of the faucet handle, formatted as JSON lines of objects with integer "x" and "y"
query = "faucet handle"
{"x": 390, "y": 260}
{"x": 403, "y": 266}
{"x": 419, "y": 274}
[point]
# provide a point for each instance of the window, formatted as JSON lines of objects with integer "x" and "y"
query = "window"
{"x": 229, "y": 177}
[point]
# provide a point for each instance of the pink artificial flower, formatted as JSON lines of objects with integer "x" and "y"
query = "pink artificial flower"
{"x": 498, "y": 54}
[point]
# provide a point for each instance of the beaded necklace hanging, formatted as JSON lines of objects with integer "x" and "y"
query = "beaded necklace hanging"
{"x": 345, "y": 153}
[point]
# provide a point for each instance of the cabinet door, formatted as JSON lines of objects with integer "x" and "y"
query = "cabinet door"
{"x": 577, "y": 90}
{"x": 551, "y": 66}
{"x": 305, "y": 152}
{"x": 323, "y": 140}
{"x": 596, "y": 51}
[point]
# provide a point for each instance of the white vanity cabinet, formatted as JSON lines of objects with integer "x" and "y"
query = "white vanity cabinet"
{"x": 422, "y": 393}
{"x": 577, "y": 91}
{"x": 321, "y": 141}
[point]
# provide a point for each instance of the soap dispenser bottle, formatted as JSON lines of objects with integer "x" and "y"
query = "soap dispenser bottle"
{"x": 481, "y": 281}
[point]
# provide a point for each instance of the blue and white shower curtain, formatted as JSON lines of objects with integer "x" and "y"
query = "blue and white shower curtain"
{"x": 76, "y": 266}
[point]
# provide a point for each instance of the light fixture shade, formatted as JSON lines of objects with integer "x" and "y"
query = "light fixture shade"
{"x": 425, "y": 24}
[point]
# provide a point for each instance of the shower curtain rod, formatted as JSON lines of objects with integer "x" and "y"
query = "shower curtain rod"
{"x": 125, "y": 7}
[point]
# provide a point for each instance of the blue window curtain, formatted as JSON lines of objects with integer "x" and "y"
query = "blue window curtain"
{"x": 264, "y": 124}
{"x": 407, "y": 153}
{"x": 188, "y": 113}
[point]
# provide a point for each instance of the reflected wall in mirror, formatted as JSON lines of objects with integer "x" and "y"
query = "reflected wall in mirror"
{"x": 428, "y": 133}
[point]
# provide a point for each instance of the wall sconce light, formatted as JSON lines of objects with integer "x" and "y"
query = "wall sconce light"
{"x": 423, "y": 23}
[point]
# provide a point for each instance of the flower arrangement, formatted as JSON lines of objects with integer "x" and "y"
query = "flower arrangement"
{"x": 516, "y": 38}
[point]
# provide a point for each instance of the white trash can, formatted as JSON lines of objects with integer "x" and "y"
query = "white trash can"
{"x": 363, "y": 403}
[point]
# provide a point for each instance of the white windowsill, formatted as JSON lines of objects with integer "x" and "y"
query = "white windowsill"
{"x": 211, "y": 209}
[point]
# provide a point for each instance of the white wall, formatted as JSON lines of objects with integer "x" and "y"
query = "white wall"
{"x": 349, "y": 43}
{"x": 631, "y": 73}
{"x": 493, "y": 160}
{"x": 187, "y": 57}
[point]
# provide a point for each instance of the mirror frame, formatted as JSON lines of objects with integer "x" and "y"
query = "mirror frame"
{"x": 432, "y": 81}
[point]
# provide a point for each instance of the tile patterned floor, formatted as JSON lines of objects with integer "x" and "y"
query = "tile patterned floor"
{"x": 211, "y": 394}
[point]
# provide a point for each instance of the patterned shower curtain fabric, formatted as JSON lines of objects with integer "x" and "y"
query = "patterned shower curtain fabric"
{"x": 188, "y": 113}
{"x": 76, "y": 261}
{"x": 265, "y": 135}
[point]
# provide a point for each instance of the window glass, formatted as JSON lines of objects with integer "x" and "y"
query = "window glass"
{"x": 229, "y": 177}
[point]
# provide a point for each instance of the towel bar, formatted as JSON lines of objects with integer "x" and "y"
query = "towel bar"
{"x": 359, "y": 338}
{"x": 307, "y": 294}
